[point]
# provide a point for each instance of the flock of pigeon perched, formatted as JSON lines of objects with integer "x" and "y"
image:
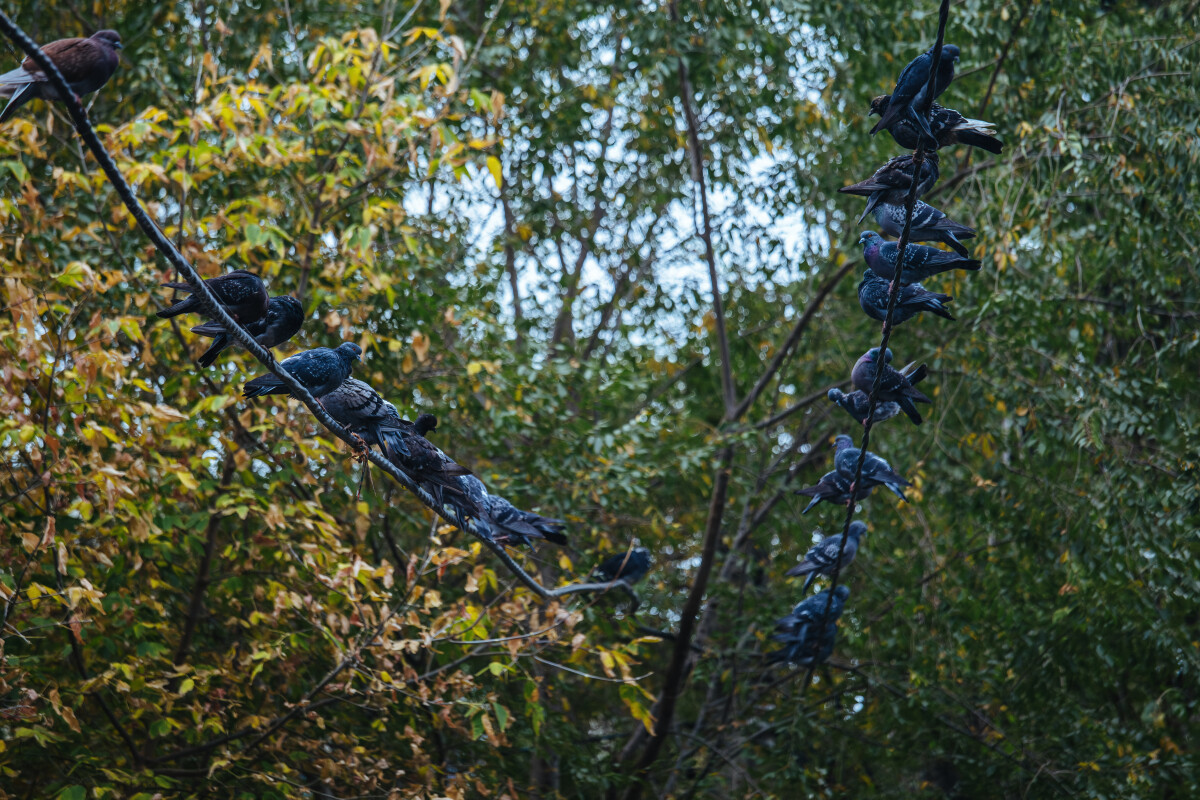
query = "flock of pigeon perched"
{"x": 87, "y": 64}
{"x": 807, "y": 635}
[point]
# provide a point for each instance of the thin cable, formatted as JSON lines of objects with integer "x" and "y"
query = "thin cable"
{"x": 214, "y": 309}
{"x": 893, "y": 294}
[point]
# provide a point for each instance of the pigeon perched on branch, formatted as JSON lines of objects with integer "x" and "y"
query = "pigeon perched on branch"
{"x": 363, "y": 411}
{"x": 910, "y": 98}
{"x": 833, "y": 488}
{"x": 947, "y": 125}
{"x": 282, "y": 321}
{"x": 928, "y": 225}
{"x": 808, "y": 633}
{"x": 894, "y": 386}
{"x": 822, "y": 557}
{"x": 86, "y": 64}
{"x": 875, "y": 471}
{"x": 891, "y": 182}
{"x": 630, "y": 566}
{"x": 320, "y": 370}
{"x": 504, "y": 523}
{"x": 920, "y": 261}
{"x": 913, "y": 299}
{"x": 856, "y": 403}
{"x": 438, "y": 474}
{"x": 242, "y": 294}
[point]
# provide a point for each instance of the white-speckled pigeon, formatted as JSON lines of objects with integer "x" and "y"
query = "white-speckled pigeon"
{"x": 920, "y": 261}
{"x": 913, "y": 299}
{"x": 894, "y": 386}
{"x": 282, "y": 321}
{"x": 875, "y": 472}
{"x": 928, "y": 225}
{"x": 320, "y": 370}
{"x": 822, "y": 557}
{"x": 891, "y": 182}
{"x": 833, "y": 488}
{"x": 86, "y": 64}
{"x": 947, "y": 125}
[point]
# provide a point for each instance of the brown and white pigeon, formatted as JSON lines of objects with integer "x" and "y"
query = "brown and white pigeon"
{"x": 86, "y": 64}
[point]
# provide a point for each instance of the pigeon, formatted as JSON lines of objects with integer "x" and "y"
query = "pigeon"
{"x": 797, "y": 631}
{"x": 947, "y": 125}
{"x": 320, "y": 370}
{"x": 920, "y": 261}
{"x": 875, "y": 471}
{"x": 928, "y": 225}
{"x": 86, "y": 64}
{"x": 436, "y": 472}
{"x": 822, "y": 557}
{"x": 894, "y": 387}
{"x": 282, "y": 321}
{"x": 891, "y": 182}
{"x": 504, "y": 523}
{"x": 833, "y": 488}
{"x": 363, "y": 411}
{"x": 910, "y": 99}
{"x": 856, "y": 403}
{"x": 629, "y": 567}
{"x": 242, "y": 294}
{"x": 913, "y": 299}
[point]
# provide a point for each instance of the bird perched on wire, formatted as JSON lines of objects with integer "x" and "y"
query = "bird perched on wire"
{"x": 283, "y": 320}
{"x": 242, "y": 294}
{"x": 875, "y": 471}
{"x": 822, "y": 557}
{"x": 807, "y": 634}
{"x": 630, "y": 566}
{"x": 910, "y": 99}
{"x": 436, "y": 472}
{"x": 891, "y": 182}
{"x": 948, "y": 126}
{"x": 920, "y": 261}
{"x": 894, "y": 386}
{"x": 504, "y": 523}
{"x": 856, "y": 403}
{"x": 319, "y": 370}
{"x": 363, "y": 411}
{"x": 85, "y": 64}
{"x": 833, "y": 488}
{"x": 913, "y": 299}
{"x": 928, "y": 225}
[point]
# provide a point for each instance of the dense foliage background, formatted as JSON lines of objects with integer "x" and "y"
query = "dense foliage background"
{"x": 497, "y": 201}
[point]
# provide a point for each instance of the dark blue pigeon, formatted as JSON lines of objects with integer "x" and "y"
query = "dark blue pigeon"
{"x": 798, "y": 631}
{"x": 913, "y": 299}
{"x": 947, "y": 125}
{"x": 875, "y": 471}
{"x": 85, "y": 64}
{"x": 242, "y": 294}
{"x": 911, "y": 95}
{"x": 894, "y": 386}
{"x": 435, "y": 471}
{"x": 630, "y": 566}
{"x": 855, "y": 405}
{"x": 920, "y": 261}
{"x": 832, "y": 488}
{"x": 504, "y": 523}
{"x": 928, "y": 225}
{"x": 891, "y": 182}
{"x": 282, "y": 321}
{"x": 822, "y": 557}
{"x": 320, "y": 370}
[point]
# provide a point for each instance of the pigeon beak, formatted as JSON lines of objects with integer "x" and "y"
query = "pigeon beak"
{"x": 118, "y": 46}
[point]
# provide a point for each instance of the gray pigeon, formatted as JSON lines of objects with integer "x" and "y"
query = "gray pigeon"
{"x": 914, "y": 298}
{"x": 86, "y": 64}
{"x": 320, "y": 370}
{"x": 894, "y": 386}
{"x": 361, "y": 410}
{"x": 875, "y": 471}
{"x": 504, "y": 523}
{"x": 891, "y": 182}
{"x": 833, "y": 488}
{"x": 947, "y": 125}
{"x": 928, "y": 225}
{"x": 822, "y": 557}
{"x": 920, "y": 261}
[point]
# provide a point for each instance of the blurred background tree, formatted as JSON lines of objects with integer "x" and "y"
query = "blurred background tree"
{"x": 505, "y": 205}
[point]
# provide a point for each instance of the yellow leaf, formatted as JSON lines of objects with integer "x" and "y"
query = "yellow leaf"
{"x": 493, "y": 164}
